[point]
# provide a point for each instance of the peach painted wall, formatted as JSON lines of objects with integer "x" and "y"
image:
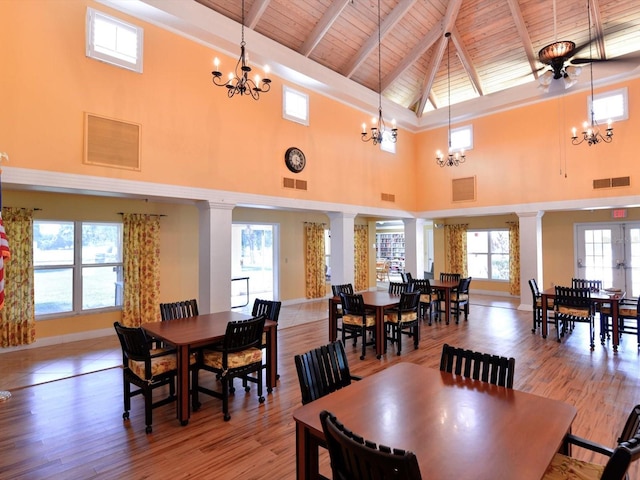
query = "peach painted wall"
{"x": 192, "y": 134}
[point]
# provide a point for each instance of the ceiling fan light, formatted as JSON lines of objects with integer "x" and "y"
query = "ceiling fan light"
{"x": 546, "y": 78}
{"x": 556, "y": 50}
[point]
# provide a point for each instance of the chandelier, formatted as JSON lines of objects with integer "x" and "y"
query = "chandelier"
{"x": 453, "y": 159}
{"x": 591, "y": 132}
{"x": 379, "y": 130}
{"x": 239, "y": 81}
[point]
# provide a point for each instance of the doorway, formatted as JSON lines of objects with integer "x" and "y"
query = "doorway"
{"x": 253, "y": 255}
{"x": 610, "y": 252}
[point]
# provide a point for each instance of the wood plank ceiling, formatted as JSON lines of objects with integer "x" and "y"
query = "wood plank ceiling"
{"x": 494, "y": 43}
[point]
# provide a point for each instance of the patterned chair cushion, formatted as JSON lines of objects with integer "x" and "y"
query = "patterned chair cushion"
{"x": 463, "y": 297}
{"x": 405, "y": 317}
{"x": 159, "y": 365}
{"x": 575, "y": 312}
{"x": 628, "y": 311}
{"x": 568, "y": 468}
{"x": 550, "y": 302}
{"x": 428, "y": 298}
{"x": 236, "y": 359}
{"x": 357, "y": 320}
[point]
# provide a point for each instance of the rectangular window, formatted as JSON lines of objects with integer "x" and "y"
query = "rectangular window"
{"x": 113, "y": 41}
{"x": 77, "y": 266}
{"x": 461, "y": 138}
{"x": 612, "y": 105}
{"x": 295, "y": 105}
{"x": 488, "y": 254}
{"x": 387, "y": 144}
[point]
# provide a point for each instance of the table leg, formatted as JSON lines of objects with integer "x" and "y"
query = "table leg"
{"x": 272, "y": 358}
{"x": 615, "y": 306}
{"x": 447, "y": 304}
{"x": 307, "y": 458}
{"x": 545, "y": 325}
{"x": 333, "y": 320}
{"x": 182, "y": 389}
{"x": 380, "y": 333}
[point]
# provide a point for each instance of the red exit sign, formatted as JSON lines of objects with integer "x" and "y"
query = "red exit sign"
{"x": 619, "y": 213}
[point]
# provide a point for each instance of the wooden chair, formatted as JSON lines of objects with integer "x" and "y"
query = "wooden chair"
{"x": 182, "y": 309}
{"x": 271, "y": 311}
{"x": 396, "y": 288}
{"x": 563, "y": 467}
{"x": 406, "y": 277}
{"x": 628, "y": 319}
{"x": 450, "y": 277}
{"x": 493, "y": 369}
{"x": 427, "y": 297}
{"x": 573, "y": 305}
{"x": 323, "y": 370}
{"x": 237, "y": 356}
{"x": 593, "y": 285}
{"x": 460, "y": 299}
{"x": 336, "y": 290}
{"x": 403, "y": 319}
{"x": 146, "y": 368}
{"x": 357, "y": 321}
{"x": 354, "y": 458}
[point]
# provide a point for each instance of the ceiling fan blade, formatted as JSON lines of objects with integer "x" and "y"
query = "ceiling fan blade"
{"x": 633, "y": 57}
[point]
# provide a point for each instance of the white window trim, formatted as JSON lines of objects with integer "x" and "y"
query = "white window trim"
{"x": 93, "y": 52}
{"x": 288, "y": 116}
{"x": 458, "y": 148}
{"x": 611, "y": 93}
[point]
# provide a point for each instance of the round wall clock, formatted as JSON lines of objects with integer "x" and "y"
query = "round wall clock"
{"x": 295, "y": 159}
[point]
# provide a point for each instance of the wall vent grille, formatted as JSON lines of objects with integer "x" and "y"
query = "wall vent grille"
{"x": 288, "y": 182}
{"x": 111, "y": 143}
{"x": 612, "y": 182}
{"x": 463, "y": 189}
{"x": 388, "y": 197}
{"x": 301, "y": 184}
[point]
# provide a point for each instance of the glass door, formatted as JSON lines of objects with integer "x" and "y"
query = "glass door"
{"x": 253, "y": 256}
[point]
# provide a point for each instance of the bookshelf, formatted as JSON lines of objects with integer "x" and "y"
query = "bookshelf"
{"x": 390, "y": 246}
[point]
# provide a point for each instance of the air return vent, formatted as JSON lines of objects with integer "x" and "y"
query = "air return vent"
{"x": 111, "y": 143}
{"x": 612, "y": 182}
{"x": 293, "y": 183}
{"x": 301, "y": 184}
{"x": 463, "y": 189}
{"x": 388, "y": 197}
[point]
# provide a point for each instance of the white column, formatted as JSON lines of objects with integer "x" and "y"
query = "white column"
{"x": 342, "y": 248}
{"x": 414, "y": 246}
{"x": 214, "y": 256}
{"x": 530, "y": 225}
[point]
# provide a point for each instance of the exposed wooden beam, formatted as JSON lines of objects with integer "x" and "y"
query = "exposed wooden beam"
{"x": 516, "y": 13}
{"x": 255, "y": 13}
{"x": 465, "y": 59}
{"x": 321, "y": 28}
{"x": 387, "y": 24}
{"x": 597, "y": 25}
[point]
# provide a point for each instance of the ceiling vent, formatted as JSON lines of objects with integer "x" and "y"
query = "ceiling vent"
{"x": 388, "y": 197}
{"x": 611, "y": 182}
{"x": 463, "y": 189}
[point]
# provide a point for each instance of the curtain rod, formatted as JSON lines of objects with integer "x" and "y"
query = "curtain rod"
{"x": 152, "y": 214}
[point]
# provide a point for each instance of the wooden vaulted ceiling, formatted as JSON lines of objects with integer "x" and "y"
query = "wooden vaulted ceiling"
{"x": 494, "y": 43}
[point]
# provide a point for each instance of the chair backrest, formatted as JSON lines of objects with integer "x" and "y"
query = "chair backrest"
{"x": 352, "y": 304}
{"x": 397, "y": 288}
{"x": 409, "y": 301}
{"x": 463, "y": 286}
{"x": 322, "y": 370}
{"x": 450, "y": 277}
{"x": 344, "y": 288}
{"x": 269, "y": 308}
{"x": 134, "y": 343}
{"x": 535, "y": 291}
{"x": 354, "y": 458}
{"x": 182, "y": 309}
{"x": 618, "y": 464}
{"x": 479, "y": 366}
{"x": 573, "y": 298}
{"x": 403, "y": 276}
{"x": 408, "y": 276}
{"x": 421, "y": 285}
{"x": 632, "y": 425}
{"x": 593, "y": 285}
{"x": 243, "y": 334}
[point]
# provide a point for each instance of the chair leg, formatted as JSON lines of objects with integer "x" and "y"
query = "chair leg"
{"x": 364, "y": 342}
{"x": 398, "y": 334}
{"x": 148, "y": 408}
{"x": 225, "y": 397}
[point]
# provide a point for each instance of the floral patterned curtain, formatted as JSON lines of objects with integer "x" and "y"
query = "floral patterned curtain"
{"x": 514, "y": 258}
{"x": 361, "y": 257}
{"x": 455, "y": 241}
{"x": 314, "y": 261}
{"x": 17, "y": 318}
{"x": 141, "y": 252}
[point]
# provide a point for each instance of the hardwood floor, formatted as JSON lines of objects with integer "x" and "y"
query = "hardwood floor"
{"x": 73, "y": 428}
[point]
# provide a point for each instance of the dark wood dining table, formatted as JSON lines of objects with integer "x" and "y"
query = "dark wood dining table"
{"x": 446, "y": 287}
{"x": 458, "y": 428}
{"x": 193, "y": 332}
{"x": 379, "y": 301}
{"x": 600, "y": 297}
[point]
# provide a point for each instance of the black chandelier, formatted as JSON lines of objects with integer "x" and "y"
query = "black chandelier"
{"x": 378, "y": 127}
{"x": 453, "y": 159}
{"x": 239, "y": 81}
{"x": 591, "y": 132}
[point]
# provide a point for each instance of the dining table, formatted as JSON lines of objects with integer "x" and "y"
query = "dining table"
{"x": 598, "y": 298}
{"x": 446, "y": 287}
{"x": 377, "y": 300}
{"x": 187, "y": 334}
{"x": 457, "y": 427}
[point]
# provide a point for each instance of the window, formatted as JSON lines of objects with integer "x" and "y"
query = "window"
{"x": 113, "y": 41}
{"x": 77, "y": 266}
{"x": 462, "y": 138}
{"x": 295, "y": 106}
{"x": 488, "y": 254}
{"x": 387, "y": 144}
{"x": 609, "y": 106}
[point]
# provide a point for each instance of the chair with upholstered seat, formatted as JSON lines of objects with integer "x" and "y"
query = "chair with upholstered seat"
{"x": 493, "y": 369}
{"x": 427, "y": 297}
{"x": 450, "y": 277}
{"x": 146, "y": 368}
{"x": 354, "y": 458}
{"x": 573, "y": 305}
{"x": 271, "y": 311}
{"x": 403, "y": 319}
{"x": 238, "y": 356}
{"x": 396, "y": 288}
{"x": 323, "y": 370}
{"x": 337, "y": 290}
{"x": 628, "y": 319}
{"x": 181, "y": 309}
{"x": 460, "y": 299}
{"x": 563, "y": 467}
{"x": 357, "y": 320}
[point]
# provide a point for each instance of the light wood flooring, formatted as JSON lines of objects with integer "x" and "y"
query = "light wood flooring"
{"x": 71, "y": 427}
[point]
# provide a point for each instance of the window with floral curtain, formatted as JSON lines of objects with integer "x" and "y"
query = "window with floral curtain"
{"x": 17, "y": 318}
{"x": 141, "y": 256}
{"x": 514, "y": 258}
{"x": 315, "y": 281}
{"x": 455, "y": 242}
{"x": 361, "y": 257}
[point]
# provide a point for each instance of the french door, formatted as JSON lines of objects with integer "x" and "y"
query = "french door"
{"x": 609, "y": 252}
